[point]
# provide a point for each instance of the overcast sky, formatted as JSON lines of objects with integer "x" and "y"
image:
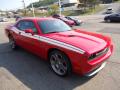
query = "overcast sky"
{"x": 13, "y": 4}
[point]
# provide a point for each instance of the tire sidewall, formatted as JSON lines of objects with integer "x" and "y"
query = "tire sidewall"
{"x": 69, "y": 66}
{"x": 108, "y": 20}
{"x": 11, "y": 39}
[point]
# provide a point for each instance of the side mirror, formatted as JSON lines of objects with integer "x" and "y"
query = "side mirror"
{"x": 29, "y": 31}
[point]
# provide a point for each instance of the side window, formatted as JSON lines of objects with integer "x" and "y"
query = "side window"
{"x": 31, "y": 25}
{"x": 23, "y": 25}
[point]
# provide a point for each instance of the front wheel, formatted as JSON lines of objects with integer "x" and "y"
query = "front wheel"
{"x": 60, "y": 63}
{"x": 108, "y": 20}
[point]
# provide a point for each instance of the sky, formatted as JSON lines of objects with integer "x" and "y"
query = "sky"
{"x": 13, "y": 4}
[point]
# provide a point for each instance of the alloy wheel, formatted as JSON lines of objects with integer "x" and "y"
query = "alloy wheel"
{"x": 58, "y": 64}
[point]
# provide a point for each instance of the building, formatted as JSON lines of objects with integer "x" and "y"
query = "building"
{"x": 69, "y": 1}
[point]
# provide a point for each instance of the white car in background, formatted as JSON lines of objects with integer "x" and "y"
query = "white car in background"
{"x": 109, "y": 11}
{"x": 3, "y": 19}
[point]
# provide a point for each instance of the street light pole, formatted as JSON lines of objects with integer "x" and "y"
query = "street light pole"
{"x": 24, "y": 7}
{"x": 33, "y": 10}
{"x": 60, "y": 7}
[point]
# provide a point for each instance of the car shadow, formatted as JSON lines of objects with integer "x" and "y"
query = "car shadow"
{"x": 34, "y": 72}
{"x": 110, "y": 22}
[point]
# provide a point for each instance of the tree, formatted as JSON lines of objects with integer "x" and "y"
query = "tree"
{"x": 42, "y": 3}
{"x": 53, "y": 9}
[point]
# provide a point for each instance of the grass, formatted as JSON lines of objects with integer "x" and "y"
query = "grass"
{"x": 36, "y": 14}
{"x": 95, "y": 10}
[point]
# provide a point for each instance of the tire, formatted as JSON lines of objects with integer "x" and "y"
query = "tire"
{"x": 108, "y": 20}
{"x": 60, "y": 63}
{"x": 12, "y": 43}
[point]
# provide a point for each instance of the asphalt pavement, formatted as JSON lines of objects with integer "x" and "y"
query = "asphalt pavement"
{"x": 115, "y": 7}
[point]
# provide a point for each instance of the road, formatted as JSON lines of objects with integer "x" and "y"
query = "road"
{"x": 21, "y": 70}
{"x": 114, "y": 6}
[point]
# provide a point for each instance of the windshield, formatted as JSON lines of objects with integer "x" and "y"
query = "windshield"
{"x": 53, "y": 26}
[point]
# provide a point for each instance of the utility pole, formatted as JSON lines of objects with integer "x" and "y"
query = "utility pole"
{"x": 60, "y": 7}
{"x": 24, "y": 7}
{"x": 33, "y": 11}
{"x": 32, "y": 8}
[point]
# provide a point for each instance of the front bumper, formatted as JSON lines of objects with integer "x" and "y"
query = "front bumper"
{"x": 90, "y": 68}
{"x": 92, "y": 73}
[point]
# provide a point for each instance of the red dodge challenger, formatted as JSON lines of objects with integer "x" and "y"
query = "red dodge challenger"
{"x": 66, "y": 49}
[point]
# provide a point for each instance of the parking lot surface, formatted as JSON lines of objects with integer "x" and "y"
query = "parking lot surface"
{"x": 21, "y": 70}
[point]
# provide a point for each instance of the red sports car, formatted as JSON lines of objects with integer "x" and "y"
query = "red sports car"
{"x": 66, "y": 49}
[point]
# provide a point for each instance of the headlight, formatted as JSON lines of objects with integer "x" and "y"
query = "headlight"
{"x": 102, "y": 52}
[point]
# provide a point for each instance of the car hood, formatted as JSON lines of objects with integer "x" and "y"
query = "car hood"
{"x": 87, "y": 41}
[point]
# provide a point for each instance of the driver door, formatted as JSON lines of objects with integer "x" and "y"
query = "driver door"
{"x": 25, "y": 39}
{"x": 118, "y": 18}
{"x": 30, "y": 41}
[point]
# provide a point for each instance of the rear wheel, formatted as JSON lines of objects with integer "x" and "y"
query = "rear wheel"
{"x": 59, "y": 63}
{"x": 12, "y": 43}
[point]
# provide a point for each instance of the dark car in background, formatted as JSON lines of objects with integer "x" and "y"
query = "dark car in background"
{"x": 56, "y": 16}
{"x": 67, "y": 21}
{"x": 112, "y": 18}
{"x": 76, "y": 21}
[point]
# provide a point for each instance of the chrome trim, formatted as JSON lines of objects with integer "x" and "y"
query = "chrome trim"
{"x": 96, "y": 71}
{"x": 102, "y": 52}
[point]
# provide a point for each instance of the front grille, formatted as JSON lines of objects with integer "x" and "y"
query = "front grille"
{"x": 98, "y": 53}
